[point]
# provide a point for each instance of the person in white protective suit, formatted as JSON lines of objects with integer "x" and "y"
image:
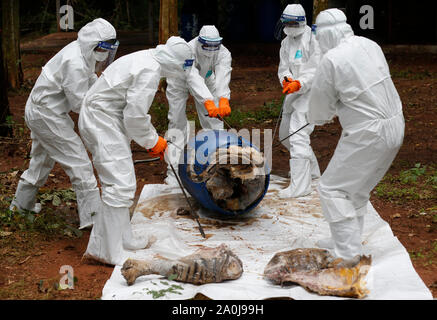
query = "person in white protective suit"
{"x": 114, "y": 112}
{"x": 209, "y": 85}
{"x": 353, "y": 82}
{"x": 59, "y": 89}
{"x": 299, "y": 56}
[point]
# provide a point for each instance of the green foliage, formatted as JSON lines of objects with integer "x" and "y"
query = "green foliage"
{"x": 238, "y": 118}
{"x": 417, "y": 183}
{"x": 411, "y": 175}
{"x": 269, "y": 111}
{"x": 57, "y": 197}
{"x": 49, "y": 221}
{"x": 171, "y": 288}
{"x": 413, "y": 75}
{"x": 159, "y": 114}
{"x": 161, "y": 293}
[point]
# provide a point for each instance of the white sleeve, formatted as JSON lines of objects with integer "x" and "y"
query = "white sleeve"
{"x": 308, "y": 70}
{"x": 284, "y": 58}
{"x": 139, "y": 98}
{"x": 75, "y": 82}
{"x": 93, "y": 79}
{"x": 197, "y": 87}
{"x": 323, "y": 95}
{"x": 223, "y": 74}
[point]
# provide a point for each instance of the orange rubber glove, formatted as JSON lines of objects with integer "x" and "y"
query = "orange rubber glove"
{"x": 159, "y": 148}
{"x": 291, "y": 87}
{"x": 210, "y": 106}
{"x": 224, "y": 107}
{"x": 286, "y": 81}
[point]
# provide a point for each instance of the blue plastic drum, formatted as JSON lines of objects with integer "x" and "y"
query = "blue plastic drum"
{"x": 209, "y": 141}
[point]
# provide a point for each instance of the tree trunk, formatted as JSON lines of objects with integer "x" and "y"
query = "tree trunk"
{"x": 11, "y": 43}
{"x": 151, "y": 22}
{"x": 318, "y": 6}
{"x": 5, "y": 130}
{"x": 58, "y": 15}
{"x": 168, "y": 19}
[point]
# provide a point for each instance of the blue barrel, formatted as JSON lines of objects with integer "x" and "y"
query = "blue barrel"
{"x": 209, "y": 141}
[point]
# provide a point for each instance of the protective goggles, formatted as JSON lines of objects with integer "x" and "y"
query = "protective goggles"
{"x": 108, "y": 45}
{"x": 288, "y": 20}
{"x": 210, "y": 44}
{"x": 111, "y": 47}
{"x": 188, "y": 63}
{"x": 314, "y": 29}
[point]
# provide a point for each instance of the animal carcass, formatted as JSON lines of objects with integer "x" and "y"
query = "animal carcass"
{"x": 318, "y": 271}
{"x": 206, "y": 265}
{"x": 232, "y": 179}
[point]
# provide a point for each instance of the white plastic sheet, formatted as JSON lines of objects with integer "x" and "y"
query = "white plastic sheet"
{"x": 275, "y": 225}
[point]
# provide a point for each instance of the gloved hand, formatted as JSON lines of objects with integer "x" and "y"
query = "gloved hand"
{"x": 224, "y": 108}
{"x": 285, "y": 81}
{"x": 159, "y": 148}
{"x": 291, "y": 87}
{"x": 210, "y": 106}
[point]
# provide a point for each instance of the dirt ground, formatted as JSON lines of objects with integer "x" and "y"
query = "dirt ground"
{"x": 30, "y": 261}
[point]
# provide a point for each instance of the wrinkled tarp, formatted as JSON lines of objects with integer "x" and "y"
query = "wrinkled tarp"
{"x": 275, "y": 225}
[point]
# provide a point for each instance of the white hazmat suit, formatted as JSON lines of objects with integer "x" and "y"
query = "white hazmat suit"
{"x": 114, "y": 112}
{"x": 353, "y": 82}
{"x": 299, "y": 56}
{"x": 59, "y": 89}
{"x": 209, "y": 80}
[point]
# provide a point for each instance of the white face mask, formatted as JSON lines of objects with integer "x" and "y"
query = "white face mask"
{"x": 207, "y": 53}
{"x": 293, "y": 32}
{"x": 100, "y": 55}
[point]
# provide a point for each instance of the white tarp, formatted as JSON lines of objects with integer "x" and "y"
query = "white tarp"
{"x": 275, "y": 225}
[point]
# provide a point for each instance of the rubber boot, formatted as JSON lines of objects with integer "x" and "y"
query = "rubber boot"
{"x": 328, "y": 243}
{"x": 88, "y": 205}
{"x": 25, "y": 198}
{"x": 129, "y": 241}
{"x": 106, "y": 239}
{"x": 300, "y": 180}
{"x": 347, "y": 238}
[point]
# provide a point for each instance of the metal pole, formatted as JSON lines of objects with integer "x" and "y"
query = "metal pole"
{"x": 291, "y": 134}
{"x": 193, "y": 213}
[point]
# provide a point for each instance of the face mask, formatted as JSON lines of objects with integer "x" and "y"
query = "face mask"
{"x": 100, "y": 55}
{"x": 293, "y": 32}
{"x": 207, "y": 53}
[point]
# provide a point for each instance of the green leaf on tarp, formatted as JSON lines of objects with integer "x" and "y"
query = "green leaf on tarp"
{"x": 56, "y": 200}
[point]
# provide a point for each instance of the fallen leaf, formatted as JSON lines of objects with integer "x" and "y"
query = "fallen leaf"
{"x": 5, "y": 233}
{"x": 395, "y": 216}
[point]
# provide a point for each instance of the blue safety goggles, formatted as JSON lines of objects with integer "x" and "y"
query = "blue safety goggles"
{"x": 108, "y": 45}
{"x": 210, "y": 44}
{"x": 288, "y": 20}
{"x": 188, "y": 63}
